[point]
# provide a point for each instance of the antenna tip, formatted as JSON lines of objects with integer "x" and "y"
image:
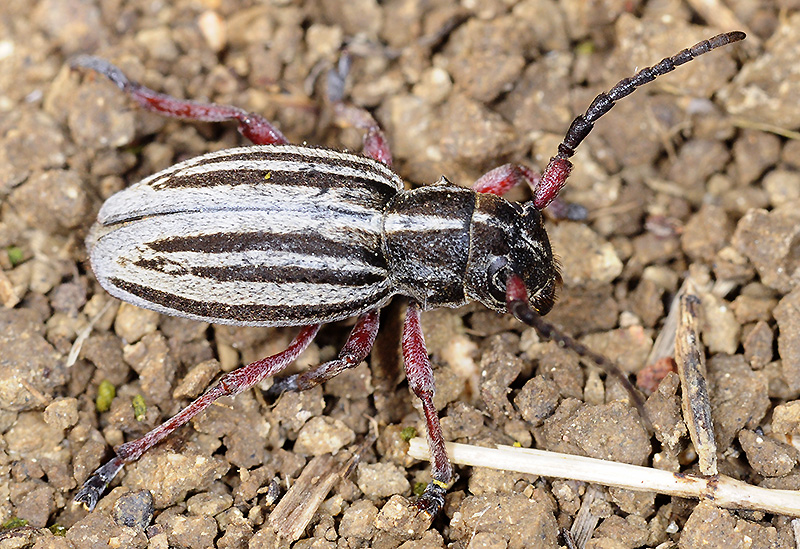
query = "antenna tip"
{"x": 735, "y": 36}
{"x": 726, "y": 38}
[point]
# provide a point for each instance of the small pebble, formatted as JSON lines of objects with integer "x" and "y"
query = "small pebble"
{"x": 323, "y": 435}
{"x": 134, "y": 509}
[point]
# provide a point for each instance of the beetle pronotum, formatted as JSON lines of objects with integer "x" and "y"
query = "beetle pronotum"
{"x": 280, "y": 235}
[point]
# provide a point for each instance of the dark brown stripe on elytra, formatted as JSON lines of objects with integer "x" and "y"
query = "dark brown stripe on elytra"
{"x": 309, "y": 177}
{"x": 311, "y": 157}
{"x": 287, "y": 274}
{"x": 229, "y": 242}
{"x": 264, "y": 273}
{"x": 279, "y": 314}
{"x": 161, "y": 265}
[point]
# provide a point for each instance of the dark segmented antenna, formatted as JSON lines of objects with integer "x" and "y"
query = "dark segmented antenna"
{"x": 555, "y": 175}
{"x": 554, "y": 178}
{"x": 519, "y": 306}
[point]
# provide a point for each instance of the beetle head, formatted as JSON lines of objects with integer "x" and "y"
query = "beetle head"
{"x": 510, "y": 239}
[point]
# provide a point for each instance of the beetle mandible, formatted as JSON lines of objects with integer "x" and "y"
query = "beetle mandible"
{"x": 281, "y": 235}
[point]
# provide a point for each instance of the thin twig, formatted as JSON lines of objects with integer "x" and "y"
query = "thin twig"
{"x": 695, "y": 401}
{"x": 721, "y": 490}
{"x": 761, "y": 126}
{"x": 298, "y": 506}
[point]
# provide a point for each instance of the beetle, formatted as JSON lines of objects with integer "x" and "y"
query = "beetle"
{"x": 281, "y": 235}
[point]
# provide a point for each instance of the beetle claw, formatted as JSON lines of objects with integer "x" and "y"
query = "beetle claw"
{"x": 432, "y": 499}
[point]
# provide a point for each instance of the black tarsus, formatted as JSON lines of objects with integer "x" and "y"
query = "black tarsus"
{"x": 96, "y": 484}
{"x": 337, "y": 77}
{"x": 103, "y": 67}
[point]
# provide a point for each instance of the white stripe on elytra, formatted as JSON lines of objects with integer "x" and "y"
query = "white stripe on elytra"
{"x": 238, "y": 292}
{"x": 137, "y": 202}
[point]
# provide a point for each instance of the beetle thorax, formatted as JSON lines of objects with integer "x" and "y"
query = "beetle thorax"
{"x": 426, "y": 242}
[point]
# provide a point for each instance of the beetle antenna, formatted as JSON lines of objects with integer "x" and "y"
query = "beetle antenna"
{"x": 518, "y": 305}
{"x": 555, "y": 174}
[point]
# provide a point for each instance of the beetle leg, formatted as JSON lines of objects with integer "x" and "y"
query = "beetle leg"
{"x": 355, "y": 350}
{"x": 561, "y": 209}
{"x": 254, "y": 127}
{"x": 503, "y": 178}
{"x": 420, "y": 379}
{"x": 545, "y": 188}
{"x": 375, "y": 145}
{"x": 231, "y": 383}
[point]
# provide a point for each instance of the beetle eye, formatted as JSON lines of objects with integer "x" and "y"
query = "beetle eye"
{"x": 497, "y": 273}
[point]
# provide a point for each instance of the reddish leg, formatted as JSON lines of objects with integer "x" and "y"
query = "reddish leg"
{"x": 375, "y": 145}
{"x": 252, "y": 126}
{"x": 231, "y": 383}
{"x": 420, "y": 378}
{"x": 501, "y": 180}
{"x": 356, "y": 349}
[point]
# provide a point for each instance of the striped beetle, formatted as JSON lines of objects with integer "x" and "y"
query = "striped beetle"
{"x": 281, "y": 235}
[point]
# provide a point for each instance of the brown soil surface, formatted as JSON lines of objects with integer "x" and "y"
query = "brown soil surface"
{"x": 694, "y": 175}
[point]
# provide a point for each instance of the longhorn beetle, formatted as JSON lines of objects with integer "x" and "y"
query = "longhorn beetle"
{"x": 281, "y": 235}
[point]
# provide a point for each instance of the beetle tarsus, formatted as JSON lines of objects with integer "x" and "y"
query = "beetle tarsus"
{"x": 357, "y": 347}
{"x": 432, "y": 499}
{"x": 559, "y": 210}
{"x": 96, "y": 64}
{"x": 282, "y": 385}
{"x": 96, "y": 484}
{"x": 231, "y": 383}
{"x": 337, "y": 77}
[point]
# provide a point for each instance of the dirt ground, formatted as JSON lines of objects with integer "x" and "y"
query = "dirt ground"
{"x": 695, "y": 176}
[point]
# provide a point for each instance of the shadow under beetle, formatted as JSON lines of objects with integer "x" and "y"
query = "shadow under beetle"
{"x": 281, "y": 235}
